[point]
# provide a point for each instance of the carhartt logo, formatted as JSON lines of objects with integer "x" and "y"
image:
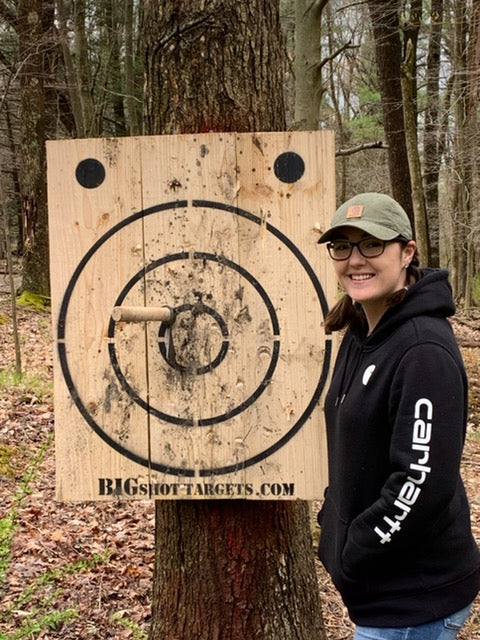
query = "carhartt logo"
{"x": 355, "y": 211}
{"x": 367, "y": 374}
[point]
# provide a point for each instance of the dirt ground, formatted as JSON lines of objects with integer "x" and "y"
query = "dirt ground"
{"x": 85, "y": 570}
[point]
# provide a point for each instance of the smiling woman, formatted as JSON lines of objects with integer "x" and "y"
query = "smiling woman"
{"x": 360, "y": 243}
{"x": 396, "y": 534}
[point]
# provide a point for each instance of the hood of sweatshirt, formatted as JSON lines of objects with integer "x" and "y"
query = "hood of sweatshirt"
{"x": 430, "y": 296}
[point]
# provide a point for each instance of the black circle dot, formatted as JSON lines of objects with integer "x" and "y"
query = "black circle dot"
{"x": 90, "y": 173}
{"x": 289, "y": 167}
{"x": 202, "y": 309}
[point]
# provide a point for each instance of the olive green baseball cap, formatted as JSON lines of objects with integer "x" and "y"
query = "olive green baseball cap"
{"x": 375, "y": 213}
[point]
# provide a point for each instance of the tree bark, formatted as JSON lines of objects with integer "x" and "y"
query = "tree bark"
{"x": 466, "y": 87}
{"x": 131, "y": 109}
{"x": 225, "y": 570}
{"x": 432, "y": 137}
{"x": 34, "y": 23}
{"x": 205, "y": 71}
{"x": 409, "y": 92}
{"x": 471, "y": 150}
{"x": 388, "y": 49}
{"x": 308, "y": 79}
{"x": 83, "y": 73}
{"x": 234, "y": 570}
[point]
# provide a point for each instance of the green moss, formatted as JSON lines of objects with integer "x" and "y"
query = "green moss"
{"x": 9, "y": 460}
{"x": 33, "y": 301}
{"x": 476, "y": 291}
{"x": 24, "y": 384}
{"x": 122, "y": 620}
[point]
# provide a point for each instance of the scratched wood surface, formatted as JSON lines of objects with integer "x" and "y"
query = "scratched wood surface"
{"x": 225, "y": 402}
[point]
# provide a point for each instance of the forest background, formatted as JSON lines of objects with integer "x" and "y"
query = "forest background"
{"x": 397, "y": 81}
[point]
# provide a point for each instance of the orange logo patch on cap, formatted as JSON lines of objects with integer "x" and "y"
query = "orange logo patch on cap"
{"x": 355, "y": 211}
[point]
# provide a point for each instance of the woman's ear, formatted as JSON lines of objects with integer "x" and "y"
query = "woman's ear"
{"x": 409, "y": 251}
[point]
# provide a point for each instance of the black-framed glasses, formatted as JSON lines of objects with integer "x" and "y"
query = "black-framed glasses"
{"x": 368, "y": 247}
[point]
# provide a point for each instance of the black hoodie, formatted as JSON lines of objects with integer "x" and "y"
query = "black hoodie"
{"x": 395, "y": 524}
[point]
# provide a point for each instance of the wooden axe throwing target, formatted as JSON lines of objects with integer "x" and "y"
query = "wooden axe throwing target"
{"x": 189, "y": 295}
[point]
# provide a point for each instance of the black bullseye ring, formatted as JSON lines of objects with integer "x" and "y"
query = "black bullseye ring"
{"x": 67, "y": 322}
{"x": 198, "y": 309}
{"x": 275, "y": 329}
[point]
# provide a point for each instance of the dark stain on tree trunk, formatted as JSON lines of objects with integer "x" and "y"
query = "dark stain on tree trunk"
{"x": 234, "y": 570}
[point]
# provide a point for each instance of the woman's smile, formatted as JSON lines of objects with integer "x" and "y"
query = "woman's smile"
{"x": 360, "y": 277}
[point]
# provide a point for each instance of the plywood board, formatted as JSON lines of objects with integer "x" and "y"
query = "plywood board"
{"x": 226, "y": 402}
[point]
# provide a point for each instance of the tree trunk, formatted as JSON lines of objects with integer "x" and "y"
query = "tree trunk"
{"x": 15, "y": 198}
{"x": 418, "y": 201}
{"x": 459, "y": 204}
{"x": 467, "y": 68}
{"x": 83, "y": 72}
{"x": 234, "y": 570}
{"x": 308, "y": 80}
{"x": 242, "y": 569}
{"x": 342, "y": 161}
{"x": 431, "y": 140}
{"x": 471, "y": 150}
{"x": 131, "y": 109}
{"x": 33, "y": 20}
{"x": 409, "y": 92}
{"x": 110, "y": 75}
{"x": 207, "y": 67}
{"x": 388, "y": 49}
{"x": 70, "y": 75}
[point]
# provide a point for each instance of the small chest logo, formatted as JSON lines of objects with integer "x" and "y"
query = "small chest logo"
{"x": 367, "y": 374}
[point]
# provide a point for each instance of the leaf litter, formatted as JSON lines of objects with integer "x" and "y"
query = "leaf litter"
{"x": 85, "y": 570}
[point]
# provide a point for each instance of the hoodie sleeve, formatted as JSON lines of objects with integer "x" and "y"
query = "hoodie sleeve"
{"x": 428, "y": 414}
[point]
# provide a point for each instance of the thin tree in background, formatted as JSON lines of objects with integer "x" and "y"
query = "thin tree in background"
{"x": 466, "y": 63}
{"x": 35, "y": 21}
{"x": 411, "y": 31}
{"x": 131, "y": 102}
{"x": 432, "y": 141}
{"x": 384, "y": 15}
{"x": 308, "y": 63}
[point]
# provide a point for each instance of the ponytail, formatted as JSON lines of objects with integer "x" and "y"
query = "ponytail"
{"x": 344, "y": 314}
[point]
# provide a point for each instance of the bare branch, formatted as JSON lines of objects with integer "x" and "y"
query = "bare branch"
{"x": 361, "y": 147}
{"x": 335, "y": 54}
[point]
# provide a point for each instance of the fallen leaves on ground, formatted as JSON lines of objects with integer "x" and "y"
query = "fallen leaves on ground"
{"x": 85, "y": 570}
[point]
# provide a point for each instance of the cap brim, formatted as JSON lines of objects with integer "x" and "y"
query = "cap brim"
{"x": 374, "y": 229}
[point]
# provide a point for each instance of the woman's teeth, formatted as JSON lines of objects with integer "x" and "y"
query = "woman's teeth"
{"x": 361, "y": 277}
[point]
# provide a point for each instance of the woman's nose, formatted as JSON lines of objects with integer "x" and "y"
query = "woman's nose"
{"x": 356, "y": 257}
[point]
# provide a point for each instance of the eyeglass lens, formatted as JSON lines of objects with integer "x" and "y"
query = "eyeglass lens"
{"x": 369, "y": 248}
